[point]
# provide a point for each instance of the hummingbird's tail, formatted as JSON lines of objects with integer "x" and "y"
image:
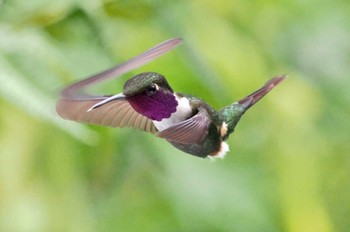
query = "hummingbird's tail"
{"x": 232, "y": 114}
{"x": 254, "y": 97}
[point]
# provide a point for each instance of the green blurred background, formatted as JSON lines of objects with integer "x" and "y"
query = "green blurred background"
{"x": 289, "y": 165}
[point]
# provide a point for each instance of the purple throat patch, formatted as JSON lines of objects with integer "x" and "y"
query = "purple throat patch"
{"x": 155, "y": 107}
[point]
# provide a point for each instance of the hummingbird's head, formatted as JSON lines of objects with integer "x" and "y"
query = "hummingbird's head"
{"x": 150, "y": 95}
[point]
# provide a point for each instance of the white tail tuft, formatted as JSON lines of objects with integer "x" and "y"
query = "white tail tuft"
{"x": 224, "y": 148}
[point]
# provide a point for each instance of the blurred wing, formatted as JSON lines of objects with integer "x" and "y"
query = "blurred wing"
{"x": 117, "y": 113}
{"x": 191, "y": 131}
{"x": 120, "y": 69}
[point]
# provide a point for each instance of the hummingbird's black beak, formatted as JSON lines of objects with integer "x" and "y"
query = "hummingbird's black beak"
{"x": 105, "y": 101}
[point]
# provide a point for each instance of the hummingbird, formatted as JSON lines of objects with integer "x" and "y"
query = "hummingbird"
{"x": 148, "y": 103}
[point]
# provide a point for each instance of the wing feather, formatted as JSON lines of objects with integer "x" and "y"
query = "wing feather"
{"x": 108, "y": 118}
{"x": 118, "y": 113}
{"x": 193, "y": 130}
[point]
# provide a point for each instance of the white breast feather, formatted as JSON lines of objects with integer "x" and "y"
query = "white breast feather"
{"x": 183, "y": 111}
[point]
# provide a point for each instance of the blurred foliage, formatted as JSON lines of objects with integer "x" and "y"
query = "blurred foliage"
{"x": 289, "y": 164}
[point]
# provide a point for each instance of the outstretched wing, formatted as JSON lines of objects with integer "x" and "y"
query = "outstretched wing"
{"x": 191, "y": 131}
{"x": 117, "y": 113}
{"x": 137, "y": 61}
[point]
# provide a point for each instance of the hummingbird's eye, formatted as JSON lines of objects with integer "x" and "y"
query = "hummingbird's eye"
{"x": 152, "y": 89}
